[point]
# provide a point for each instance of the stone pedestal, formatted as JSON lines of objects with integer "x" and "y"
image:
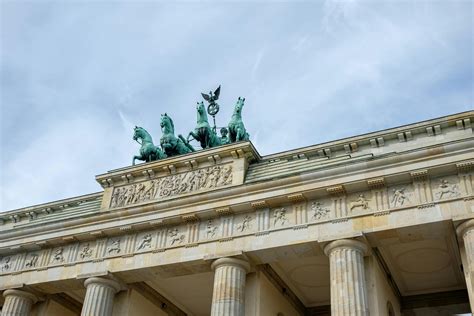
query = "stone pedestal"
{"x": 348, "y": 285}
{"x": 99, "y": 296}
{"x": 229, "y": 286}
{"x": 465, "y": 233}
{"x": 17, "y": 303}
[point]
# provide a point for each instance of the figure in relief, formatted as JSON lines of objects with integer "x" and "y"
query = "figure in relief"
{"x": 114, "y": 246}
{"x": 6, "y": 264}
{"x": 32, "y": 261}
{"x": 210, "y": 229}
{"x": 447, "y": 190}
{"x": 145, "y": 242}
{"x": 360, "y": 202}
{"x": 148, "y": 151}
{"x": 245, "y": 224}
{"x": 86, "y": 252}
{"x": 175, "y": 237}
{"x": 58, "y": 255}
{"x": 279, "y": 216}
{"x": 399, "y": 197}
{"x": 319, "y": 211}
{"x": 206, "y": 178}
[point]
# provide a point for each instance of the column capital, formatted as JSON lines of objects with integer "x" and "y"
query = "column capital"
{"x": 234, "y": 262}
{"x": 104, "y": 282}
{"x": 346, "y": 243}
{"x": 465, "y": 227}
{"x": 20, "y": 293}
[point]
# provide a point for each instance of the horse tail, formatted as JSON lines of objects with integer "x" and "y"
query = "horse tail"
{"x": 186, "y": 143}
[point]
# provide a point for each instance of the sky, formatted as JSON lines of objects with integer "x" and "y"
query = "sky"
{"x": 77, "y": 76}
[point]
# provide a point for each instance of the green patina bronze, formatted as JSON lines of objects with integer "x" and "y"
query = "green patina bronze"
{"x": 203, "y": 132}
{"x": 148, "y": 151}
{"x": 172, "y": 145}
{"x": 236, "y": 126}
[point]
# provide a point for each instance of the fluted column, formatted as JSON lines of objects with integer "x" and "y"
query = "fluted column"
{"x": 229, "y": 285}
{"x": 99, "y": 296}
{"x": 17, "y": 303}
{"x": 465, "y": 232}
{"x": 348, "y": 286}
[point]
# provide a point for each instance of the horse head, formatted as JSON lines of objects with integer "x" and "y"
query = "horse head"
{"x": 239, "y": 105}
{"x": 137, "y": 132}
{"x": 166, "y": 123}
{"x": 200, "y": 108}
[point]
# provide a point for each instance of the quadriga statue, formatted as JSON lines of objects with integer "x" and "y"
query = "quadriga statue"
{"x": 203, "y": 132}
{"x": 236, "y": 128}
{"x": 172, "y": 145}
{"x": 148, "y": 151}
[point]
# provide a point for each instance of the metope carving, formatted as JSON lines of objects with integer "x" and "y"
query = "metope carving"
{"x": 145, "y": 242}
{"x": 447, "y": 190}
{"x": 175, "y": 236}
{"x": 114, "y": 247}
{"x": 86, "y": 252}
{"x": 58, "y": 255}
{"x": 192, "y": 181}
{"x": 211, "y": 229}
{"x": 31, "y": 261}
{"x": 245, "y": 224}
{"x": 319, "y": 211}
{"x": 360, "y": 202}
{"x": 279, "y": 217}
{"x": 399, "y": 197}
{"x": 6, "y": 265}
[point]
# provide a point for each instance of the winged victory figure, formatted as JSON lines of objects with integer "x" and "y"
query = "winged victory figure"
{"x": 213, "y": 107}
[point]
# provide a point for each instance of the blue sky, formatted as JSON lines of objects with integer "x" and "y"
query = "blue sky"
{"x": 77, "y": 76}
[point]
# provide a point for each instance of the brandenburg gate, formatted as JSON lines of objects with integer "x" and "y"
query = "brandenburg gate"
{"x": 375, "y": 224}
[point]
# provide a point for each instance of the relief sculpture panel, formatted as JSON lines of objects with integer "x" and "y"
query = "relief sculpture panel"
{"x": 187, "y": 182}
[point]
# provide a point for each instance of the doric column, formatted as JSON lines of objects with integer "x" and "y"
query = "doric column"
{"x": 17, "y": 303}
{"x": 348, "y": 286}
{"x": 465, "y": 232}
{"x": 99, "y": 296}
{"x": 229, "y": 285}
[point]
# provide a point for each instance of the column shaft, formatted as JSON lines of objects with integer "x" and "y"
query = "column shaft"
{"x": 17, "y": 303}
{"x": 228, "y": 297}
{"x": 348, "y": 285}
{"x": 99, "y": 296}
{"x": 466, "y": 232}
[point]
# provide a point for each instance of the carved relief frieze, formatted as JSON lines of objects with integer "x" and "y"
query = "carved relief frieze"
{"x": 279, "y": 217}
{"x": 6, "y": 264}
{"x": 113, "y": 246}
{"x": 400, "y": 196}
{"x": 319, "y": 211}
{"x": 211, "y": 229}
{"x": 173, "y": 185}
{"x": 175, "y": 237}
{"x": 446, "y": 189}
{"x": 58, "y": 255}
{"x": 144, "y": 242}
{"x": 31, "y": 261}
{"x": 86, "y": 251}
{"x": 361, "y": 203}
{"x": 245, "y": 225}
{"x": 231, "y": 224}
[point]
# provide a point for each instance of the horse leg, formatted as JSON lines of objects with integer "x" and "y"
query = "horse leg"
{"x": 135, "y": 158}
{"x": 193, "y": 136}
